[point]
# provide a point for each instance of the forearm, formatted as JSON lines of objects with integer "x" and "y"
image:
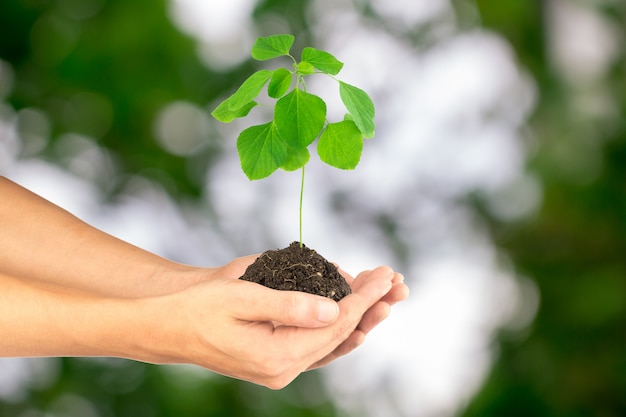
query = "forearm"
{"x": 45, "y": 320}
{"x": 41, "y": 241}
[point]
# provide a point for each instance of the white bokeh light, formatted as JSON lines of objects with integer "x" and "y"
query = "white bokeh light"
{"x": 222, "y": 29}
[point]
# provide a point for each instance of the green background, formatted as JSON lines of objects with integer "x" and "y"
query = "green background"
{"x": 572, "y": 359}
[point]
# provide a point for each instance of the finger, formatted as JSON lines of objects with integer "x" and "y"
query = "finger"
{"x": 355, "y": 340}
{"x": 375, "y": 284}
{"x": 399, "y": 292}
{"x": 371, "y": 287}
{"x": 374, "y": 316}
{"x": 258, "y": 303}
{"x": 237, "y": 267}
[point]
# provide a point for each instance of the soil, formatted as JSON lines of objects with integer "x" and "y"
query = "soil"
{"x": 296, "y": 268}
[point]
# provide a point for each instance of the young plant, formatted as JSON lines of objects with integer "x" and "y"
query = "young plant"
{"x": 299, "y": 116}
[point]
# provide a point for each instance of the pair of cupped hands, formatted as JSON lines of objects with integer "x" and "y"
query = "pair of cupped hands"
{"x": 269, "y": 337}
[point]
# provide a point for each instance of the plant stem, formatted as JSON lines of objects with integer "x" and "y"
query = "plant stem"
{"x": 301, "y": 199}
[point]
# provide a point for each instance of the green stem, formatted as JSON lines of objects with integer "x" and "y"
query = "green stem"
{"x": 301, "y": 199}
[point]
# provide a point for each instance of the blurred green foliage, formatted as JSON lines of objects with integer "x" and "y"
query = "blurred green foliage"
{"x": 103, "y": 72}
{"x": 572, "y": 362}
{"x": 120, "y": 388}
{"x": 104, "y": 68}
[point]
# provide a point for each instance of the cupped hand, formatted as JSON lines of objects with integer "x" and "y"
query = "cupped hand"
{"x": 378, "y": 312}
{"x": 230, "y": 326}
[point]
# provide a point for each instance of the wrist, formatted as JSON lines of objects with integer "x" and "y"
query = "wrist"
{"x": 170, "y": 277}
{"x": 141, "y": 329}
{"x": 156, "y": 329}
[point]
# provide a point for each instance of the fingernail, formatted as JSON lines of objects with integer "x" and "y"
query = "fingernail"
{"x": 327, "y": 311}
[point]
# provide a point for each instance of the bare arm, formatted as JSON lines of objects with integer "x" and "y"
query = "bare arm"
{"x": 216, "y": 324}
{"x": 41, "y": 241}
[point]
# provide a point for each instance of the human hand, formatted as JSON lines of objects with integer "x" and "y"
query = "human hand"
{"x": 378, "y": 312}
{"x": 231, "y": 326}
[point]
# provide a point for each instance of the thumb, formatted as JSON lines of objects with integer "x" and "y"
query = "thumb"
{"x": 292, "y": 308}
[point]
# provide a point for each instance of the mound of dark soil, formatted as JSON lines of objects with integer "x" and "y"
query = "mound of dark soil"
{"x": 296, "y": 268}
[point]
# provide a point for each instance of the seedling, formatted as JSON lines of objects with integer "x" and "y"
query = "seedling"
{"x": 299, "y": 116}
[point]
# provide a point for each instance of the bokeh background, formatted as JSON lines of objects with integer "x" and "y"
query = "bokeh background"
{"x": 496, "y": 183}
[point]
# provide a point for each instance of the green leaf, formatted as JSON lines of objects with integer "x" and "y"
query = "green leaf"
{"x": 272, "y": 47}
{"x": 341, "y": 145}
{"x": 249, "y": 89}
{"x": 296, "y": 158}
{"x": 261, "y": 150}
{"x": 361, "y": 106}
{"x": 226, "y": 115}
{"x": 240, "y": 103}
{"x": 300, "y": 117}
{"x": 322, "y": 60}
{"x": 305, "y": 68}
{"x": 280, "y": 83}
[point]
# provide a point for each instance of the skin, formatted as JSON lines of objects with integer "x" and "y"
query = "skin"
{"x": 68, "y": 289}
